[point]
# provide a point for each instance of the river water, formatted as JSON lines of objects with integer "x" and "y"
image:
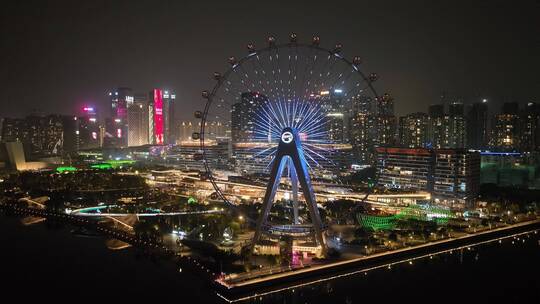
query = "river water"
{"x": 51, "y": 263}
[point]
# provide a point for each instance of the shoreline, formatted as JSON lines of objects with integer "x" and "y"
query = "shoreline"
{"x": 279, "y": 282}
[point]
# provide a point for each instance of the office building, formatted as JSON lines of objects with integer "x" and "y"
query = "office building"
{"x": 477, "y": 125}
{"x": 117, "y": 125}
{"x": 413, "y": 130}
{"x": 451, "y": 175}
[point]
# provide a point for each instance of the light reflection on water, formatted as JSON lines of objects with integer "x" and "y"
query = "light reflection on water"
{"x": 497, "y": 270}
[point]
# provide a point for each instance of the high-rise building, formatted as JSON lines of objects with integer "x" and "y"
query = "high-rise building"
{"x": 451, "y": 175}
{"x": 334, "y": 106}
{"x": 138, "y": 120}
{"x": 244, "y": 115}
{"x": 385, "y": 126}
{"x": 186, "y": 130}
{"x": 42, "y": 135}
{"x": 385, "y": 105}
{"x": 477, "y": 125}
{"x": 13, "y": 129}
{"x": 362, "y": 134}
{"x": 169, "y": 123}
{"x": 161, "y": 117}
{"x": 505, "y": 130}
{"x": 530, "y": 127}
{"x": 362, "y": 137}
{"x": 413, "y": 130}
{"x": 385, "y": 121}
{"x": 457, "y": 136}
{"x": 456, "y": 109}
{"x": 87, "y": 129}
{"x": 117, "y": 125}
{"x": 456, "y": 177}
{"x": 447, "y": 130}
{"x": 436, "y": 132}
{"x": 405, "y": 168}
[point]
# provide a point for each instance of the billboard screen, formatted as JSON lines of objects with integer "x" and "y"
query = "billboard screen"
{"x": 158, "y": 116}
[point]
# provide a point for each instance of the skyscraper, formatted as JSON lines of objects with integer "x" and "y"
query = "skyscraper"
{"x": 117, "y": 125}
{"x": 161, "y": 117}
{"x": 457, "y": 137}
{"x": 447, "y": 130}
{"x": 413, "y": 130}
{"x": 88, "y": 129}
{"x": 529, "y": 127}
{"x": 138, "y": 120}
{"x": 385, "y": 122}
{"x": 362, "y": 137}
{"x": 169, "y": 123}
{"x": 477, "y": 125}
{"x": 244, "y": 114}
{"x": 505, "y": 129}
{"x": 437, "y": 132}
{"x": 335, "y": 109}
{"x": 362, "y": 134}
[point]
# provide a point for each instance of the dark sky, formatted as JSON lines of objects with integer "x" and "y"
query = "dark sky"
{"x": 57, "y": 55}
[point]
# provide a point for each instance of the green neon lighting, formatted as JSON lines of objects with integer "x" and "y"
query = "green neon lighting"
{"x": 101, "y": 166}
{"x": 65, "y": 169}
{"x": 375, "y": 222}
{"x": 113, "y": 164}
{"x": 192, "y": 200}
{"x": 417, "y": 212}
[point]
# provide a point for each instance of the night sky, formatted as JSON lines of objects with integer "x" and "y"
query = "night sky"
{"x": 58, "y": 55}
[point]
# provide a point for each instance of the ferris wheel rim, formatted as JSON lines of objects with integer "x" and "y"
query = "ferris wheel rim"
{"x": 253, "y": 53}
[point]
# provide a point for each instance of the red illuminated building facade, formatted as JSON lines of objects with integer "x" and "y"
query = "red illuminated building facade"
{"x": 161, "y": 114}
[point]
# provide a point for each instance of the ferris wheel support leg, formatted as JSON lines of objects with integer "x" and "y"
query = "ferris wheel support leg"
{"x": 290, "y": 151}
{"x": 277, "y": 171}
{"x": 294, "y": 181}
{"x": 305, "y": 183}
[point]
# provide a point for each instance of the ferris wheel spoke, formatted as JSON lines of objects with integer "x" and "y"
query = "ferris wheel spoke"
{"x": 292, "y": 78}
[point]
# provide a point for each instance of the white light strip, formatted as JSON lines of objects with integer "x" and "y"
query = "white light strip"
{"x": 365, "y": 270}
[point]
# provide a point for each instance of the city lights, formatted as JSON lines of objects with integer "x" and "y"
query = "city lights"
{"x": 364, "y": 163}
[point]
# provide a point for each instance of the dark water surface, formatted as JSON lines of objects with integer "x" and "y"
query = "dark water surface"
{"x": 40, "y": 262}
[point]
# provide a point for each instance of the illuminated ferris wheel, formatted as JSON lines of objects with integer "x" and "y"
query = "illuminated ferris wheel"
{"x": 305, "y": 88}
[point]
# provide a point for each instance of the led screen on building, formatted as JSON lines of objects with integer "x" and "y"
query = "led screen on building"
{"x": 158, "y": 116}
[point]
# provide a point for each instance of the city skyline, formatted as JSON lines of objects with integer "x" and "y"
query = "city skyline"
{"x": 271, "y": 152}
{"x": 405, "y": 64}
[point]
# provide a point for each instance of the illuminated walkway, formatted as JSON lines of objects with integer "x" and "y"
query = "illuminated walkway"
{"x": 410, "y": 260}
{"x": 88, "y": 212}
